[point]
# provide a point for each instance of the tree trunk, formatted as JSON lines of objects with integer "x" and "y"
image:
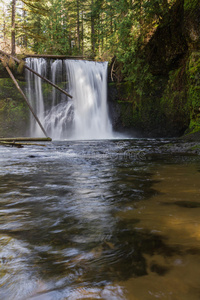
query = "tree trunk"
{"x": 25, "y": 39}
{"x": 45, "y": 79}
{"x": 13, "y": 50}
{"x": 4, "y": 24}
{"x": 78, "y": 26}
{"x": 82, "y": 34}
{"x": 23, "y": 95}
{"x": 92, "y": 29}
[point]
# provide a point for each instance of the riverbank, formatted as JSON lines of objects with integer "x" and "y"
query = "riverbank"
{"x": 181, "y": 147}
{"x": 185, "y": 145}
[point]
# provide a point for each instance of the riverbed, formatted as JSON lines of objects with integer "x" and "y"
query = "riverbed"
{"x": 108, "y": 219}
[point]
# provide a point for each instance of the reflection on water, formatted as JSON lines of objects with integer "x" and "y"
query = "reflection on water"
{"x": 99, "y": 220}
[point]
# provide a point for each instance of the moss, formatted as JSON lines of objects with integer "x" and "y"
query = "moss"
{"x": 191, "y": 5}
{"x": 193, "y": 84}
{"x": 126, "y": 114}
{"x": 162, "y": 108}
{"x": 14, "y": 118}
{"x": 125, "y": 91}
{"x": 196, "y": 147}
{"x": 9, "y": 90}
{"x": 14, "y": 115}
{"x": 174, "y": 103}
{"x": 163, "y": 93}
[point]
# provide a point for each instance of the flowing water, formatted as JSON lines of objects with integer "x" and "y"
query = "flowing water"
{"x": 94, "y": 219}
{"x": 83, "y": 117}
{"x": 99, "y": 220}
{"x": 35, "y": 93}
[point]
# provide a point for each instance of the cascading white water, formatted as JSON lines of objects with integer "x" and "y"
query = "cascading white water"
{"x": 88, "y": 85}
{"x": 83, "y": 117}
{"x": 35, "y": 95}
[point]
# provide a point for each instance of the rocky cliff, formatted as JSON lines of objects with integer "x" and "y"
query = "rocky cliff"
{"x": 164, "y": 99}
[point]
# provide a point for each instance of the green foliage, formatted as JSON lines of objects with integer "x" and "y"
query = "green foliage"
{"x": 91, "y": 26}
{"x": 13, "y": 117}
{"x": 8, "y": 89}
{"x": 190, "y": 5}
{"x": 122, "y": 29}
{"x": 193, "y": 76}
{"x": 174, "y": 102}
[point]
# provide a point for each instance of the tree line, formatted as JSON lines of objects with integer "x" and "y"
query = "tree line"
{"x": 92, "y": 28}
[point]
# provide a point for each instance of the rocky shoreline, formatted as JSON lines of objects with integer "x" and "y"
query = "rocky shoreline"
{"x": 185, "y": 145}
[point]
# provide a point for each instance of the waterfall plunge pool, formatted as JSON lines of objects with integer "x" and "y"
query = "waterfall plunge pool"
{"x": 99, "y": 220}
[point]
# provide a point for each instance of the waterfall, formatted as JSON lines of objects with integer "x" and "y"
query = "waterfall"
{"x": 85, "y": 116}
{"x": 35, "y": 95}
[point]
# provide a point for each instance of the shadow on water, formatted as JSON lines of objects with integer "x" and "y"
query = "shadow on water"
{"x": 186, "y": 204}
{"x": 62, "y": 244}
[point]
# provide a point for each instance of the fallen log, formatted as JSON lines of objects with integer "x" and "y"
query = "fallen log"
{"x": 25, "y": 139}
{"x": 20, "y": 145}
{"x": 37, "y": 74}
{"x": 22, "y": 93}
{"x": 54, "y": 56}
{"x": 19, "y": 142}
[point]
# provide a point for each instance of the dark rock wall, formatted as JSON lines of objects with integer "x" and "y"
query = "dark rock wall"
{"x": 169, "y": 103}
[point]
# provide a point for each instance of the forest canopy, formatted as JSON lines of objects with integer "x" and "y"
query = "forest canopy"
{"x": 99, "y": 29}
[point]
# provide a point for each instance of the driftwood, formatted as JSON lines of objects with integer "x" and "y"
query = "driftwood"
{"x": 112, "y": 70}
{"x": 37, "y": 74}
{"x": 22, "y": 93}
{"x": 25, "y": 139}
{"x": 19, "y": 142}
{"x": 20, "y": 145}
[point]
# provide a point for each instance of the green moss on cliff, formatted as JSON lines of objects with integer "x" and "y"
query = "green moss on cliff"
{"x": 14, "y": 113}
{"x": 193, "y": 85}
{"x": 174, "y": 102}
{"x": 8, "y": 89}
{"x": 190, "y": 5}
{"x": 165, "y": 76}
{"x": 13, "y": 118}
{"x": 126, "y": 114}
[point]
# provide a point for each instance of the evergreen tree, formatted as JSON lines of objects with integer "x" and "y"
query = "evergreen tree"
{"x": 96, "y": 28}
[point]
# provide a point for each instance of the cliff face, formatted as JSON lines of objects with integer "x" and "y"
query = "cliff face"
{"x": 168, "y": 45}
{"x": 167, "y": 102}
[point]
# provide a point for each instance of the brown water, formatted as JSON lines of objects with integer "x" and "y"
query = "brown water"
{"x": 173, "y": 268}
{"x": 99, "y": 220}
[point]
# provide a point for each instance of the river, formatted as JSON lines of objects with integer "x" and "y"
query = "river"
{"x": 99, "y": 220}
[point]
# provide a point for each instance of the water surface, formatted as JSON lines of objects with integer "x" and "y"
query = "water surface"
{"x": 99, "y": 220}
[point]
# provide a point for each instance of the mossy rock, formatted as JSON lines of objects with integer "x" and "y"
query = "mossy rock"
{"x": 193, "y": 77}
{"x": 125, "y": 91}
{"x": 9, "y": 90}
{"x": 14, "y": 118}
{"x": 126, "y": 115}
{"x": 174, "y": 102}
{"x": 14, "y": 114}
{"x": 192, "y": 23}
